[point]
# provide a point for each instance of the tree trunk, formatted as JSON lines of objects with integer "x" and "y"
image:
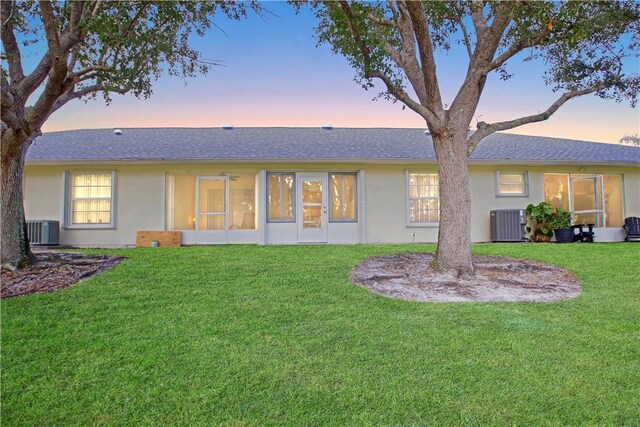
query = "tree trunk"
{"x": 14, "y": 244}
{"x": 454, "y": 236}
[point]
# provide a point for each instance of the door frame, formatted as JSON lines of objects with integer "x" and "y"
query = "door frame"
{"x": 315, "y": 235}
{"x": 598, "y": 187}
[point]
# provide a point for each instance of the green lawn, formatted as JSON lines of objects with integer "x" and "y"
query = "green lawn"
{"x": 247, "y": 335}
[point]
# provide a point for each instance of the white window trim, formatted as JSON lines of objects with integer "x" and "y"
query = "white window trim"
{"x": 355, "y": 198}
{"x": 68, "y": 206}
{"x": 525, "y": 176}
{"x": 408, "y": 199}
{"x": 281, "y": 220}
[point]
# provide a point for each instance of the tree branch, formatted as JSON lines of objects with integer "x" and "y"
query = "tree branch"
{"x": 392, "y": 88}
{"x": 83, "y": 92}
{"x": 466, "y": 101}
{"x": 518, "y": 47}
{"x": 402, "y": 95}
{"x": 90, "y": 69}
{"x": 410, "y": 64}
{"x": 76, "y": 16}
{"x": 381, "y": 21}
{"x": 57, "y": 73}
{"x": 465, "y": 35}
{"x": 405, "y": 57}
{"x": 50, "y": 29}
{"x": 10, "y": 45}
{"x": 487, "y": 130}
{"x": 420, "y": 23}
{"x": 478, "y": 18}
{"x": 364, "y": 50}
{"x": 67, "y": 42}
{"x": 394, "y": 11}
{"x": 9, "y": 117}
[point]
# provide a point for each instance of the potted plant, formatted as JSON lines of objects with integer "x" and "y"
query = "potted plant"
{"x": 561, "y": 223}
{"x": 538, "y": 218}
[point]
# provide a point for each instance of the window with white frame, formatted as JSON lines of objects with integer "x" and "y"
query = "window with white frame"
{"x": 512, "y": 184}
{"x": 424, "y": 201}
{"x": 90, "y": 199}
{"x": 280, "y": 197}
{"x": 343, "y": 197}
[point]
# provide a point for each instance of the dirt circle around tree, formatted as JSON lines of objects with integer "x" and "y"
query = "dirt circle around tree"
{"x": 409, "y": 276}
{"x": 53, "y": 271}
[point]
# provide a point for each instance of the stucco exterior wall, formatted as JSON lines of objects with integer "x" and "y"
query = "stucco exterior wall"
{"x": 140, "y": 199}
{"x": 386, "y": 197}
{"x": 139, "y": 203}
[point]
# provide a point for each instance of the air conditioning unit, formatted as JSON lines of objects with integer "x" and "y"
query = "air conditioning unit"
{"x": 43, "y": 232}
{"x": 507, "y": 225}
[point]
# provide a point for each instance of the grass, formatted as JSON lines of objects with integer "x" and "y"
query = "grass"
{"x": 246, "y": 335}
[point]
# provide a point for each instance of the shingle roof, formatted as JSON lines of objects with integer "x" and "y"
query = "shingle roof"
{"x": 306, "y": 144}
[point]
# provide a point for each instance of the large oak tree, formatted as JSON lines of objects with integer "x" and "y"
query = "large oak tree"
{"x": 585, "y": 46}
{"x": 84, "y": 49}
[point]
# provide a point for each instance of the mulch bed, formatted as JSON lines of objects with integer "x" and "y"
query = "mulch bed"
{"x": 409, "y": 276}
{"x": 53, "y": 271}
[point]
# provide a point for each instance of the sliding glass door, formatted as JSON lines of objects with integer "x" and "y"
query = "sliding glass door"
{"x": 212, "y": 202}
{"x": 586, "y": 199}
{"x": 593, "y": 199}
{"x": 211, "y": 206}
{"x": 212, "y": 209}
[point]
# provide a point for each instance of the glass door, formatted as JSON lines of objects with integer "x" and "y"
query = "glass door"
{"x": 586, "y": 200}
{"x": 312, "y": 215}
{"x": 211, "y": 201}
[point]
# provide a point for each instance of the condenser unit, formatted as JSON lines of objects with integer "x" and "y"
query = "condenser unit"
{"x": 507, "y": 225}
{"x": 43, "y": 232}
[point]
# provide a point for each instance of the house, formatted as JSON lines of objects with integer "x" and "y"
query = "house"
{"x": 308, "y": 185}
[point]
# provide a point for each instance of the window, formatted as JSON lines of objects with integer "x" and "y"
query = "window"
{"x": 614, "y": 215}
{"x": 90, "y": 200}
{"x": 556, "y": 190}
{"x": 512, "y": 184}
{"x": 343, "y": 197}
{"x": 593, "y": 199}
{"x": 424, "y": 201}
{"x": 280, "y": 197}
{"x": 242, "y": 202}
{"x": 181, "y": 202}
{"x": 222, "y": 200}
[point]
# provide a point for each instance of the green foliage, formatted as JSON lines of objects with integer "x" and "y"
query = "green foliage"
{"x": 129, "y": 44}
{"x": 632, "y": 139}
{"x": 581, "y": 43}
{"x": 547, "y": 218}
{"x": 542, "y": 214}
{"x": 334, "y": 28}
{"x": 560, "y": 219}
{"x": 277, "y": 335}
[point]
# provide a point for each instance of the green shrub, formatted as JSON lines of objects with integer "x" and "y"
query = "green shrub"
{"x": 541, "y": 214}
{"x": 560, "y": 219}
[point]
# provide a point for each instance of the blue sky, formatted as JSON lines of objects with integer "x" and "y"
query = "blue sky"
{"x": 274, "y": 75}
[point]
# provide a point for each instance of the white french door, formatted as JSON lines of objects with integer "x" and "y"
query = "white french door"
{"x": 312, "y": 196}
{"x": 211, "y": 209}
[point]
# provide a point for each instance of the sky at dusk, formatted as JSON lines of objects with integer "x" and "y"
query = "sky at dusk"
{"x": 274, "y": 75}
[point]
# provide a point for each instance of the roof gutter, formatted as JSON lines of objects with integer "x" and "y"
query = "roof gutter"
{"x": 368, "y": 161}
